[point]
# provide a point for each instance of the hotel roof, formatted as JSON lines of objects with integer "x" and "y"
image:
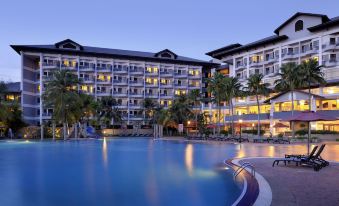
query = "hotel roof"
{"x": 236, "y": 48}
{"x": 106, "y": 52}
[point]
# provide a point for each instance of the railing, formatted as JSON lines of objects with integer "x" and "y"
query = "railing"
{"x": 120, "y": 81}
{"x": 180, "y": 74}
{"x": 120, "y": 69}
{"x": 242, "y": 167}
{"x": 86, "y": 68}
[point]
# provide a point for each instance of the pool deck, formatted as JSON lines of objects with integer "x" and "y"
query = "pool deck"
{"x": 293, "y": 185}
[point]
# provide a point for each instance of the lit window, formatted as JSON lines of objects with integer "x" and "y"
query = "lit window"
{"x": 66, "y": 63}
{"x": 155, "y": 69}
{"x": 10, "y": 97}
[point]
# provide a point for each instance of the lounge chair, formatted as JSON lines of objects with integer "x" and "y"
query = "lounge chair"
{"x": 302, "y": 156}
{"x": 311, "y": 160}
{"x": 316, "y": 157}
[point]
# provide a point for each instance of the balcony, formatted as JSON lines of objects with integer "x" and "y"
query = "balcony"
{"x": 148, "y": 73}
{"x": 182, "y": 85}
{"x": 164, "y": 85}
{"x": 151, "y": 84}
{"x": 86, "y": 68}
{"x": 166, "y": 74}
{"x": 256, "y": 64}
{"x": 271, "y": 60}
{"x": 180, "y": 75}
{"x": 120, "y": 70}
{"x": 68, "y": 67}
{"x": 136, "y": 83}
{"x": 122, "y": 106}
{"x": 47, "y": 78}
{"x": 46, "y": 65}
{"x": 134, "y": 106}
{"x": 151, "y": 95}
{"x": 309, "y": 52}
{"x": 240, "y": 66}
{"x": 47, "y": 115}
{"x": 136, "y": 94}
{"x": 87, "y": 80}
{"x": 104, "y": 81}
{"x": 136, "y": 70}
{"x": 104, "y": 93}
{"x": 330, "y": 46}
{"x": 331, "y": 63}
{"x": 166, "y": 96}
{"x": 289, "y": 56}
{"x": 119, "y": 94}
{"x": 119, "y": 82}
{"x": 136, "y": 117}
{"x": 86, "y": 92}
{"x": 104, "y": 69}
{"x": 193, "y": 86}
{"x": 194, "y": 76}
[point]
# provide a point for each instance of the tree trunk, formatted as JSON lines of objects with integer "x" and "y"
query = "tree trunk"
{"x": 53, "y": 130}
{"x": 232, "y": 116}
{"x": 219, "y": 111}
{"x": 258, "y": 115}
{"x": 64, "y": 130}
{"x": 292, "y": 93}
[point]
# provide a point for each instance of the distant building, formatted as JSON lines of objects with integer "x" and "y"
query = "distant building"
{"x": 128, "y": 76}
{"x": 13, "y": 92}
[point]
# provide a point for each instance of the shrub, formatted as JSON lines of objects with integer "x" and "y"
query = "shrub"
{"x": 280, "y": 135}
{"x": 224, "y": 132}
{"x": 301, "y": 132}
{"x": 337, "y": 140}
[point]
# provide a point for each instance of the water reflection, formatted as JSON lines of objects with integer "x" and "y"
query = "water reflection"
{"x": 104, "y": 151}
{"x": 189, "y": 159}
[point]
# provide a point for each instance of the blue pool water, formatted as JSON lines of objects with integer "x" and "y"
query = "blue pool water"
{"x": 116, "y": 172}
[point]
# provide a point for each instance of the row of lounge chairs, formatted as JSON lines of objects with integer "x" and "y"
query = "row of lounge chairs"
{"x": 313, "y": 159}
{"x": 218, "y": 138}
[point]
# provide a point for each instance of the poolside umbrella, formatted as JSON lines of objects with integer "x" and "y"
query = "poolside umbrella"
{"x": 309, "y": 117}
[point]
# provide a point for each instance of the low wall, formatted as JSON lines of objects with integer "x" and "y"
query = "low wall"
{"x": 118, "y": 132}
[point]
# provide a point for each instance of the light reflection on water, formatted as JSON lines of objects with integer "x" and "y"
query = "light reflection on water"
{"x": 189, "y": 159}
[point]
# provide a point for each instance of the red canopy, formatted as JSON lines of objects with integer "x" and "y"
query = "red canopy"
{"x": 309, "y": 117}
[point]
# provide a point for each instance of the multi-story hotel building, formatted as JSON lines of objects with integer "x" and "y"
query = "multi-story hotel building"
{"x": 127, "y": 76}
{"x": 299, "y": 38}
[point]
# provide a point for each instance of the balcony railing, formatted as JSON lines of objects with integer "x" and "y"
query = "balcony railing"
{"x": 86, "y": 68}
{"x": 104, "y": 69}
{"x": 180, "y": 74}
{"x": 166, "y": 73}
{"x": 51, "y": 64}
{"x": 120, "y": 69}
{"x": 116, "y": 81}
{"x": 331, "y": 62}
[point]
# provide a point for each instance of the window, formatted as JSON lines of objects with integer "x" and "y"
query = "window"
{"x": 299, "y": 25}
{"x": 69, "y": 46}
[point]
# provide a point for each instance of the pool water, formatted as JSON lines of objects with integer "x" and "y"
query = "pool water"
{"x": 116, "y": 172}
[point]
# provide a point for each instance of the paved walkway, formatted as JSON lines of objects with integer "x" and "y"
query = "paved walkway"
{"x": 293, "y": 185}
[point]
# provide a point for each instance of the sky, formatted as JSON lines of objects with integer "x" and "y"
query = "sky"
{"x": 187, "y": 27}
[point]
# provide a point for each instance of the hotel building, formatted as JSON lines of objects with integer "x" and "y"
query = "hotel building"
{"x": 299, "y": 38}
{"x": 127, "y": 76}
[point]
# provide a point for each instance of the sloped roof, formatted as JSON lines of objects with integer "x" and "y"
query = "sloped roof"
{"x": 324, "y": 19}
{"x": 332, "y": 22}
{"x": 298, "y": 91}
{"x": 106, "y": 52}
{"x": 225, "y": 48}
{"x": 13, "y": 87}
{"x": 267, "y": 40}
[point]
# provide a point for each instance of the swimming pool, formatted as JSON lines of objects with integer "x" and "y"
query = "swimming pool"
{"x": 116, "y": 172}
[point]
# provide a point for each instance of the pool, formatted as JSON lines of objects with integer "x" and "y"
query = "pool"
{"x": 116, "y": 172}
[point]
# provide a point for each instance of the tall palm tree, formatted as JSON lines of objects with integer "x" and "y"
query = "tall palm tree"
{"x": 216, "y": 86}
{"x": 311, "y": 71}
{"x": 290, "y": 80}
{"x": 232, "y": 90}
{"x": 108, "y": 110}
{"x": 194, "y": 97}
{"x": 149, "y": 106}
{"x": 256, "y": 87}
{"x": 62, "y": 96}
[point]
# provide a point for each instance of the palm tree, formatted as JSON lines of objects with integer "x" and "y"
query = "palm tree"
{"x": 255, "y": 86}
{"x": 232, "y": 90}
{"x": 180, "y": 111}
{"x": 311, "y": 71}
{"x": 61, "y": 95}
{"x": 290, "y": 80}
{"x": 108, "y": 111}
{"x": 194, "y": 97}
{"x": 149, "y": 105}
{"x": 217, "y": 87}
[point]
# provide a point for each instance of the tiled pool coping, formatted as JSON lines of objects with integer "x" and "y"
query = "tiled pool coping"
{"x": 256, "y": 190}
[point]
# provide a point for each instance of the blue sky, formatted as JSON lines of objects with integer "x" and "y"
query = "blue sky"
{"x": 187, "y": 27}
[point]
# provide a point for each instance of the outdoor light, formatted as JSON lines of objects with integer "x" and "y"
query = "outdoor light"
{"x": 189, "y": 122}
{"x": 252, "y": 124}
{"x": 240, "y": 121}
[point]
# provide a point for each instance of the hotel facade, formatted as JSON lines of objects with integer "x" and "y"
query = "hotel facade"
{"x": 127, "y": 76}
{"x": 299, "y": 38}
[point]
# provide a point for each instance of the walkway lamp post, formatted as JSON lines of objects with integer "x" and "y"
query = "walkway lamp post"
{"x": 240, "y": 122}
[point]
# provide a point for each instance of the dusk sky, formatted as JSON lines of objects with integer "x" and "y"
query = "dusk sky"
{"x": 187, "y": 27}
